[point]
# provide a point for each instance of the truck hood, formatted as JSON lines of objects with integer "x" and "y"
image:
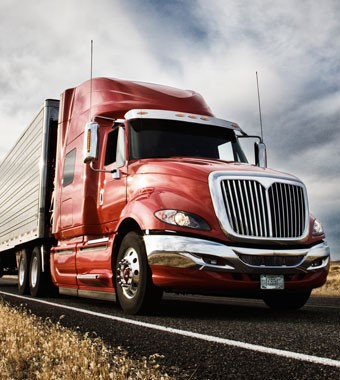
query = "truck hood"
{"x": 199, "y": 169}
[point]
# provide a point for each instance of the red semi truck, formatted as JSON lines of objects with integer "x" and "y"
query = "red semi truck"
{"x": 124, "y": 190}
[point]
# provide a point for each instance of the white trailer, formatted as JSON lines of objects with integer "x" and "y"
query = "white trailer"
{"x": 26, "y": 186}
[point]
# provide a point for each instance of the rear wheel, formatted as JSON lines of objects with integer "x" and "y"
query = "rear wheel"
{"x": 287, "y": 301}
{"x": 1, "y": 268}
{"x": 135, "y": 290}
{"x": 37, "y": 284}
{"x": 23, "y": 269}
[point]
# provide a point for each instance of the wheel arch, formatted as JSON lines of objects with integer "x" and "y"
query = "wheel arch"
{"x": 126, "y": 226}
{"x": 44, "y": 248}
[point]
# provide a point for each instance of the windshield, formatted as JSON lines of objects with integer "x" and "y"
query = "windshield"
{"x": 153, "y": 138}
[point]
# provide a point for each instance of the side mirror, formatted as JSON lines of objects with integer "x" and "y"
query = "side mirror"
{"x": 90, "y": 152}
{"x": 260, "y": 154}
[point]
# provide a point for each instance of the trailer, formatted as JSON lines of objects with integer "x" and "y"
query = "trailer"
{"x": 26, "y": 186}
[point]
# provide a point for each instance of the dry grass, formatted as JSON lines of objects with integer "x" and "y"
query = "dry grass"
{"x": 332, "y": 286}
{"x": 33, "y": 348}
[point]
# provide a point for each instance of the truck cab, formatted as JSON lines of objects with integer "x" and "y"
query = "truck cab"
{"x": 161, "y": 197}
{"x": 124, "y": 190}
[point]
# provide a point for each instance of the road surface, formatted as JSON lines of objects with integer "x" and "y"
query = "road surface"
{"x": 208, "y": 337}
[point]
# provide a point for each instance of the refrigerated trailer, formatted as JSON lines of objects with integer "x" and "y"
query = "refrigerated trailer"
{"x": 125, "y": 190}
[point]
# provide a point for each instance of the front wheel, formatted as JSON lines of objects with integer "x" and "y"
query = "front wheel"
{"x": 286, "y": 301}
{"x": 135, "y": 290}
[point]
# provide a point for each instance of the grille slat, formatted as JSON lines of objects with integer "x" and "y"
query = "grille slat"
{"x": 271, "y": 261}
{"x": 252, "y": 209}
{"x": 263, "y": 209}
{"x": 277, "y": 211}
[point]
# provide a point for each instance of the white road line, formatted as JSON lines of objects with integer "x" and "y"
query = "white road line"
{"x": 191, "y": 334}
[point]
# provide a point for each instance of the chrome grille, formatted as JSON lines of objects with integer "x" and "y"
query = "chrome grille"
{"x": 287, "y": 209}
{"x": 276, "y": 211}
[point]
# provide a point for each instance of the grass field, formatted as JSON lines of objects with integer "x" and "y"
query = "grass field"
{"x": 32, "y": 348}
{"x": 332, "y": 286}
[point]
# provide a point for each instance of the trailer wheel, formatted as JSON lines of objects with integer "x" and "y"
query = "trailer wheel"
{"x": 135, "y": 290}
{"x": 23, "y": 268}
{"x": 286, "y": 301}
{"x": 1, "y": 268}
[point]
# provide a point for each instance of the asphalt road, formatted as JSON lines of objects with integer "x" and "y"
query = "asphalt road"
{"x": 210, "y": 338}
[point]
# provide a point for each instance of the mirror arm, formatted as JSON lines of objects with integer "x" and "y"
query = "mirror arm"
{"x": 245, "y": 135}
{"x": 115, "y": 172}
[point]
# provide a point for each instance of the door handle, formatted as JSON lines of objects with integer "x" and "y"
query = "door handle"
{"x": 101, "y": 197}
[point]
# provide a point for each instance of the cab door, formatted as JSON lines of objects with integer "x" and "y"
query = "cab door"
{"x": 111, "y": 200}
{"x": 112, "y": 185}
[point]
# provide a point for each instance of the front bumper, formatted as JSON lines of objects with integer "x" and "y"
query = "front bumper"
{"x": 180, "y": 262}
{"x": 193, "y": 253}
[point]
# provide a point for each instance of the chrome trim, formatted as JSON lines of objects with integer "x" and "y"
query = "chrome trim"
{"x": 88, "y": 276}
{"x": 97, "y": 241}
{"x": 249, "y": 206}
{"x": 194, "y": 253}
{"x": 90, "y": 145}
{"x": 104, "y": 296}
{"x": 102, "y": 247}
{"x": 64, "y": 252}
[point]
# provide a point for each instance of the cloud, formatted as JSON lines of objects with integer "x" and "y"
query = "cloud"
{"x": 212, "y": 47}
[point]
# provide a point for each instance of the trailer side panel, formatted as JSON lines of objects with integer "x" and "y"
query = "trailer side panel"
{"x": 23, "y": 180}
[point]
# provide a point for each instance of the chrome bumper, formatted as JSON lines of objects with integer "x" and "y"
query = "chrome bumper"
{"x": 192, "y": 253}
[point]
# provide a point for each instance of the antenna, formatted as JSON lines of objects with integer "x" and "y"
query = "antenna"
{"x": 91, "y": 80}
{"x": 90, "y": 152}
{"x": 258, "y": 97}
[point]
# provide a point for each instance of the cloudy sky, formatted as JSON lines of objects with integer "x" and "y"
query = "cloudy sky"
{"x": 212, "y": 46}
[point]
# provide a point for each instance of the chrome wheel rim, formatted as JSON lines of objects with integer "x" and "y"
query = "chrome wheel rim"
{"x": 34, "y": 272}
{"x": 21, "y": 272}
{"x": 128, "y": 272}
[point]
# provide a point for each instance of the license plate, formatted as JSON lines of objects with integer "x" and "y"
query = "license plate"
{"x": 269, "y": 281}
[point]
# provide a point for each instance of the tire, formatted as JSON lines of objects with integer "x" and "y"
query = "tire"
{"x": 23, "y": 272}
{"x": 1, "y": 268}
{"x": 287, "y": 301}
{"x": 37, "y": 283}
{"x": 135, "y": 291}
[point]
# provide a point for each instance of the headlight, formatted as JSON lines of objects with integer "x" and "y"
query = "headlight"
{"x": 317, "y": 228}
{"x": 182, "y": 219}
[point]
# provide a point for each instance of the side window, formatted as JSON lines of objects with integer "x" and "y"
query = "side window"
{"x": 69, "y": 166}
{"x": 121, "y": 147}
{"x": 111, "y": 147}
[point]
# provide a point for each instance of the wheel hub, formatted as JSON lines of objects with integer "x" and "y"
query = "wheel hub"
{"x": 128, "y": 269}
